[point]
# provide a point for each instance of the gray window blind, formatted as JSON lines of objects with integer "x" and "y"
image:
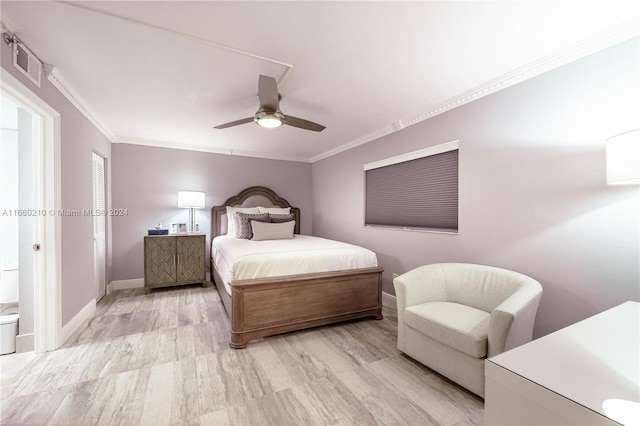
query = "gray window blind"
{"x": 421, "y": 193}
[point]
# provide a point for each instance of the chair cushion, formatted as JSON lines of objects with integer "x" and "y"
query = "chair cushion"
{"x": 461, "y": 327}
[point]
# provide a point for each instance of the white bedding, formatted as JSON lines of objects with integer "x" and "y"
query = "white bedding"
{"x": 239, "y": 259}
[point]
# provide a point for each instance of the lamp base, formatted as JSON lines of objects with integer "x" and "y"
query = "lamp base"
{"x": 191, "y": 228}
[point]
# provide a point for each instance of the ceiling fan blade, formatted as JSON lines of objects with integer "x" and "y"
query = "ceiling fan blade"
{"x": 234, "y": 123}
{"x": 303, "y": 124}
{"x": 268, "y": 93}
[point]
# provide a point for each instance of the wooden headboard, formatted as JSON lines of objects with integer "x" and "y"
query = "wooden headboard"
{"x": 253, "y": 196}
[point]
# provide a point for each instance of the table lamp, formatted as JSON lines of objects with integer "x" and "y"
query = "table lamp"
{"x": 191, "y": 200}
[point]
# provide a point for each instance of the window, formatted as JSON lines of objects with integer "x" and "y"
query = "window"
{"x": 418, "y": 190}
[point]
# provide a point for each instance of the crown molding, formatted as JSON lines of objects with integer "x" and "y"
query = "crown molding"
{"x": 614, "y": 35}
{"x": 72, "y": 96}
{"x": 608, "y": 38}
{"x": 61, "y": 84}
{"x": 68, "y": 92}
{"x": 201, "y": 148}
{"x": 6, "y": 23}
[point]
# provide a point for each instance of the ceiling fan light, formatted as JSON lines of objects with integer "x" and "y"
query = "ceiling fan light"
{"x": 269, "y": 120}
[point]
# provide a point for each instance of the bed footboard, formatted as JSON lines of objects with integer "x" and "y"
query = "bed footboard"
{"x": 264, "y": 307}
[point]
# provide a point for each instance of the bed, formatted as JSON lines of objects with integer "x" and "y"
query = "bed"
{"x": 264, "y": 306}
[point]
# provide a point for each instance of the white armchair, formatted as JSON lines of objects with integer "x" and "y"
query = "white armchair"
{"x": 452, "y": 316}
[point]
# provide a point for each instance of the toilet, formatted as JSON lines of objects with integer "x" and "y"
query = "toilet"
{"x": 9, "y": 292}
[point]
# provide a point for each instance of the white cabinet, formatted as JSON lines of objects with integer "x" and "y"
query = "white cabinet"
{"x": 585, "y": 374}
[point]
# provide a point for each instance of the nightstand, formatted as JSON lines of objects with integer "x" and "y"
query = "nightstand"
{"x": 171, "y": 260}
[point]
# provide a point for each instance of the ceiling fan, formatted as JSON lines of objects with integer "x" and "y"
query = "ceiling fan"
{"x": 269, "y": 114}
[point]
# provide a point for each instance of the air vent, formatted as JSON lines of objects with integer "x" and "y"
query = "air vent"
{"x": 25, "y": 61}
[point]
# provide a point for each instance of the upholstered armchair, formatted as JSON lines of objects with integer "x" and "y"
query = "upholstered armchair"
{"x": 452, "y": 316}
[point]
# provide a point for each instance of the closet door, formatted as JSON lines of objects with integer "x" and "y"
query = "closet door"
{"x": 99, "y": 226}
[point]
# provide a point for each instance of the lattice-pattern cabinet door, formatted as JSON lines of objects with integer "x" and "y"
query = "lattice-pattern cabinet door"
{"x": 159, "y": 261}
{"x": 191, "y": 258}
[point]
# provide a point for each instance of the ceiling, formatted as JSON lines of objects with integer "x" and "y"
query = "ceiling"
{"x": 164, "y": 73}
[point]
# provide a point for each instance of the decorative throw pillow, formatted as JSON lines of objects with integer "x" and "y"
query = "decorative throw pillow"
{"x": 272, "y": 231}
{"x": 279, "y": 218}
{"x": 243, "y": 223}
{"x": 275, "y": 210}
{"x": 231, "y": 217}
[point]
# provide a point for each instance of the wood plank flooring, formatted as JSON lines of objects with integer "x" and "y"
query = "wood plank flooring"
{"x": 164, "y": 359}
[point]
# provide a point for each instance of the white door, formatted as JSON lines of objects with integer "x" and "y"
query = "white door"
{"x": 46, "y": 222}
{"x": 99, "y": 226}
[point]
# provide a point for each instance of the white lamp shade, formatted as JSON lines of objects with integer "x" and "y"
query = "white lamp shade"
{"x": 190, "y": 199}
{"x": 623, "y": 158}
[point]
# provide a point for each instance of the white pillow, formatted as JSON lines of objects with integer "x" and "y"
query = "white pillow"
{"x": 231, "y": 220}
{"x": 272, "y": 231}
{"x": 275, "y": 210}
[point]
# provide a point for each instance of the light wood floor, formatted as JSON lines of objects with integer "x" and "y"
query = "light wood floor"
{"x": 163, "y": 358}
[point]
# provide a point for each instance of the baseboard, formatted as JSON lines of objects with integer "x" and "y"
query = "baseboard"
{"x": 125, "y": 284}
{"x": 25, "y": 342}
{"x": 78, "y": 321}
{"x": 389, "y": 301}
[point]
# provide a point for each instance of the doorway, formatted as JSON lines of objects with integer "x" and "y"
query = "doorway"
{"x": 39, "y": 235}
{"x": 18, "y": 220}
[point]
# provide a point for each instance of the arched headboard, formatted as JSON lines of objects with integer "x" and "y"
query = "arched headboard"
{"x": 253, "y": 196}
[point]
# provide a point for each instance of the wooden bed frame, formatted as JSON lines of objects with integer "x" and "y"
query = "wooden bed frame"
{"x": 263, "y": 307}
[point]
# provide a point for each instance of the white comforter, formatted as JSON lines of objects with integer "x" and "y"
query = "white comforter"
{"x": 238, "y": 259}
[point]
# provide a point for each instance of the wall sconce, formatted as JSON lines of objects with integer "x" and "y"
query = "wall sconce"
{"x": 623, "y": 158}
{"x": 191, "y": 200}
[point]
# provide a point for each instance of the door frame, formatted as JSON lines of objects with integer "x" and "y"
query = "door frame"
{"x": 47, "y": 175}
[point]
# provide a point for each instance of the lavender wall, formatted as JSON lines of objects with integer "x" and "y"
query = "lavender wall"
{"x": 79, "y": 138}
{"x": 146, "y": 181}
{"x": 533, "y": 195}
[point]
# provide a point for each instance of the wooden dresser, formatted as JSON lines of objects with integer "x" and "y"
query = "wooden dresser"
{"x": 171, "y": 260}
